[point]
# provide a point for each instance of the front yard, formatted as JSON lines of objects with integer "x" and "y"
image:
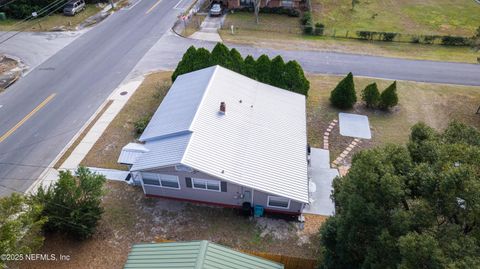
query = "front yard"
{"x": 51, "y": 22}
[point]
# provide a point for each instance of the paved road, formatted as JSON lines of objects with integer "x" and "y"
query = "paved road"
{"x": 41, "y": 112}
{"x": 166, "y": 53}
{"x": 45, "y": 109}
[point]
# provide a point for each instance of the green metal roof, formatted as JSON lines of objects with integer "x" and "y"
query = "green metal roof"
{"x": 194, "y": 255}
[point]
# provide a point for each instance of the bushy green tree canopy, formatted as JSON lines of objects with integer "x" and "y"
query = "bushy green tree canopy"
{"x": 20, "y": 225}
{"x": 409, "y": 207}
{"x": 389, "y": 97}
{"x": 344, "y": 96}
{"x": 73, "y": 204}
{"x": 371, "y": 95}
{"x": 276, "y": 72}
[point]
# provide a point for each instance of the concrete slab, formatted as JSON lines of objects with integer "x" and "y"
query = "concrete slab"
{"x": 321, "y": 157}
{"x": 354, "y": 125}
{"x": 320, "y": 185}
{"x": 111, "y": 174}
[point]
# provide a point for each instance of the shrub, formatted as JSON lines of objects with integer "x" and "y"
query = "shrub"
{"x": 236, "y": 61}
{"x": 141, "y": 124}
{"x": 429, "y": 39}
{"x": 249, "y": 67}
{"x": 389, "y": 98}
{"x": 455, "y": 41}
{"x": 307, "y": 17}
{"x": 344, "y": 96}
{"x": 295, "y": 79}
{"x": 366, "y": 35}
{"x": 262, "y": 68}
{"x": 293, "y": 12}
{"x": 277, "y": 72}
{"x": 288, "y": 76}
{"x": 220, "y": 55}
{"x": 371, "y": 95}
{"x": 319, "y": 28}
{"x": 415, "y": 39}
{"x": 388, "y": 36}
{"x": 73, "y": 204}
{"x": 308, "y": 29}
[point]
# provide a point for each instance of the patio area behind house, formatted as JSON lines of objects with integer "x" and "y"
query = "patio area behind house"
{"x": 320, "y": 185}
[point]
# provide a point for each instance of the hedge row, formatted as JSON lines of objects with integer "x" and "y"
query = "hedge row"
{"x": 291, "y": 12}
{"x": 423, "y": 39}
{"x": 276, "y": 72}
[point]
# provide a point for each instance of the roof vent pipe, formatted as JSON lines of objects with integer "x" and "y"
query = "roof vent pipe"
{"x": 223, "y": 107}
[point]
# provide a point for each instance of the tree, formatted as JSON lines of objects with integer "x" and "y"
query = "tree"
{"x": 262, "y": 68}
{"x": 476, "y": 41}
{"x": 277, "y": 72}
{"x": 20, "y": 225}
{"x": 344, "y": 96}
{"x": 295, "y": 79}
{"x": 221, "y": 55}
{"x": 256, "y": 6}
{"x": 236, "y": 61}
{"x": 371, "y": 95}
{"x": 201, "y": 59}
{"x": 249, "y": 68}
{"x": 395, "y": 210}
{"x": 73, "y": 204}
{"x": 389, "y": 98}
{"x": 185, "y": 65}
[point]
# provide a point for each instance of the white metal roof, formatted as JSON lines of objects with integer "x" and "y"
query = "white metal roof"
{"x": 260, "y": 142}
{"x": 131, "y": 152}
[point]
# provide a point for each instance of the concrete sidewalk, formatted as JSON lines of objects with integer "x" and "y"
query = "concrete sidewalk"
{"x": 119, "y": 97}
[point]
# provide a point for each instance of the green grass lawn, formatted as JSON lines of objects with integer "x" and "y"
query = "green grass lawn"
{"x": 50, "y": 22}
{"x": 434, "y": 104}
{"x": 444, "y": 17}
{"x": 283, "y": 32}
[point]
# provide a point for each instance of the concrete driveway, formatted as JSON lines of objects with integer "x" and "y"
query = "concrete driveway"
{"x": 209, "y": 29}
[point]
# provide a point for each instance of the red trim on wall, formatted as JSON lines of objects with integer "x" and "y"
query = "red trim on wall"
{"x": 267, "y": 210}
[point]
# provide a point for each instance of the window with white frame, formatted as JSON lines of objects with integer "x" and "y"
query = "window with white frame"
{"x": 279, "y": 202}
{"x": 206, "y": 184}
{"x": 164, "y": 181}
{"x": 150, "y": 179}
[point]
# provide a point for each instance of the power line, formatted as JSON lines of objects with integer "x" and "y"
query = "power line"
{"x": 8, "y": 3}
{"x": 41, "y": 11}
{"x": 32, "y": 17}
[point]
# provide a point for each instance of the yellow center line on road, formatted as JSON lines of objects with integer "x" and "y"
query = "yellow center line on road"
{"x": 20, "y": 123}
{"x": 150, "y": 9}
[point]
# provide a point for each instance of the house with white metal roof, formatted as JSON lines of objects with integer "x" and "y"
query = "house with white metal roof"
{"x": 222, "y": 138}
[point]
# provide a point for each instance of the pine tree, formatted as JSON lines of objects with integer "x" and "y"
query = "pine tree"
{"x": 185, "y": 65}
{"x": 236, "y": 61}
{"x": 344, "y": 96}
{"x": 221, "y": 55}
{"x": 249, "y": 67}
{"x": 295, "y": 79}
{"x": 277, "y": 72}
{"x": 262, "y": 68}
{"x": 202, "y": 59}
{"x": 371, "y": 95}
{"x": 389, "y": 98}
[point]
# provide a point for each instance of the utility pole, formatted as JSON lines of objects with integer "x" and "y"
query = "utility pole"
{"x": 111, "y": 3}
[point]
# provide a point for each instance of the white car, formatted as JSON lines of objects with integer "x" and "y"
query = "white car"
{"x": 216, "y": 10}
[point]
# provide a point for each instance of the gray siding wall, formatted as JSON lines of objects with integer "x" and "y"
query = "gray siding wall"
{"x": 230, "y": 197}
